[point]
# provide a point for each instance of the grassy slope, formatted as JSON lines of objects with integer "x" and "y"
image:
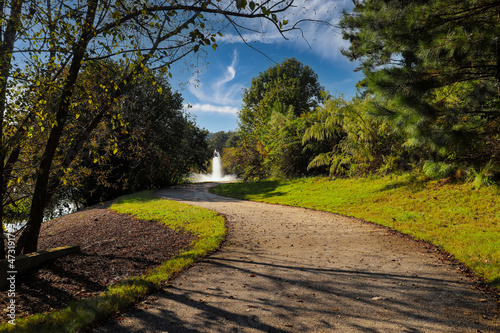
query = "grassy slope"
{"x": 206, "y": 225}
{"x": 460, "y": 219}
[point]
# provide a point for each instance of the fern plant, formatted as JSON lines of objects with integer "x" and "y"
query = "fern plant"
{"x": 361, "y": 140}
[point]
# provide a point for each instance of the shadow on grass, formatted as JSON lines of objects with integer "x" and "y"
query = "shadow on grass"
{"x": 495, "y": 283}
{"x": 413, "y": 185}
{"x": 417, "y": 185}
{"x": 264, "y": 188}
{"x": 139, "y": 197}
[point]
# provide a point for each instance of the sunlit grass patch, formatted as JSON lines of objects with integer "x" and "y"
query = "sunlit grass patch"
{"x": 207, "y": 226}
{"x": 460, "y": 219}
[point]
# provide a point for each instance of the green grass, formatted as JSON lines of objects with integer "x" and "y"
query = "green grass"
{"x": 461, "y": 220}
{"x": 206, "y": 225}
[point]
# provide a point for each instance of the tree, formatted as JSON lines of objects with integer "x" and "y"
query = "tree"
{"x": 271, "y": 119}
{"x": 157, "y": 147}
{"x": 220, "y": 140}
{"x": 289, "y": 83}
{"x": 282, "y": 141}
{"x": 438, "y": 64}
{"x": 46, "y": 46}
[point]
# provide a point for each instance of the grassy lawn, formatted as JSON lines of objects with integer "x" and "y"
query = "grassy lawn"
{"x": 206, "y": 225}
{"x": 461, "y": 220}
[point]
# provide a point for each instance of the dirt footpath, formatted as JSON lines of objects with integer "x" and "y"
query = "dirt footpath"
{"x": 285, "y": 269}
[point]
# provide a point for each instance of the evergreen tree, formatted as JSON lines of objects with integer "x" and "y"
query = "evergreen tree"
{"x": 438, "y": 62}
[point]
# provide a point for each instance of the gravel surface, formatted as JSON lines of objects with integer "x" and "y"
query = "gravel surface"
{"x": 285, "y": 269}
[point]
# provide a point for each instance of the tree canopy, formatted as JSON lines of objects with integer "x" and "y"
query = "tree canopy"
{"x": 286, "y": 84}
{"x": 438, "y": 62}
{"x": 274, "y": 114}
{"x": 45, "y": 47}
{"x": 430, "y": 96}
{"x": 159, "y": 145}
{"x": 221, "y": 140}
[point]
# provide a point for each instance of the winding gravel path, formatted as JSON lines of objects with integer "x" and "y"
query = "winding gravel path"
{"x": 285, "y": 269}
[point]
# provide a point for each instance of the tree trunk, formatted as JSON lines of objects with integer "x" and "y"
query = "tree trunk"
{"x": 6, "y": 50}
{"x": 28, "y": 242}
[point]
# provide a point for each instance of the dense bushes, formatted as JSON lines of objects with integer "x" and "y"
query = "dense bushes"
{"x": 154, "y": 144}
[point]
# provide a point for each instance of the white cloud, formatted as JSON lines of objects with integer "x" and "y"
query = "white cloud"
{"x": 319, "y": 19}
{"x": 220, "y": 90}
{"x": 325, "y": 39}
{"x": 209, "y": 108}
{"x": 264, "y": 37}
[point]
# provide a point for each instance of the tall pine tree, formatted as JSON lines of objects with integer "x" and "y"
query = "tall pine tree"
{"x": 439, "y": 63}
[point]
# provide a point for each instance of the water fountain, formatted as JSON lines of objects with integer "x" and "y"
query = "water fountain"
{"x": 217, "y": 172}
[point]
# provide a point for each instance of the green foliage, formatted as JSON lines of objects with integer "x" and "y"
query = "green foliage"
{"x": 277, "y": 108}
{"x": 433, "y": 67}
{"x": 248, "y": 158}
{"x": 360, "y": 141}
{"x": 206, "y": 225}
{"x": 220, "y": 140}
{"x": 437, "y": 170}
{"x": 230, "y": 161}
{"x": 459, "y": 219}
{"x": 56, "y": 110}
{"x": 151, "y": 143}
{"x": 289, "y": 83}
{"x": 225, "y": 143}
{"x": 486, "y": 176}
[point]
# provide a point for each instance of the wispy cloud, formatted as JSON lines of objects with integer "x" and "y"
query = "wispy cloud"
{"x": 318, "y": 28}
{"x": 219, "y": 93}
{"x": 220, "y": 90}
{"x": 209, "y": 108}
{"x": 261, "y": 37}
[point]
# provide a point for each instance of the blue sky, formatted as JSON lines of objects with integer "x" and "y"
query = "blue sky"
{"x": 212, "y": 84}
